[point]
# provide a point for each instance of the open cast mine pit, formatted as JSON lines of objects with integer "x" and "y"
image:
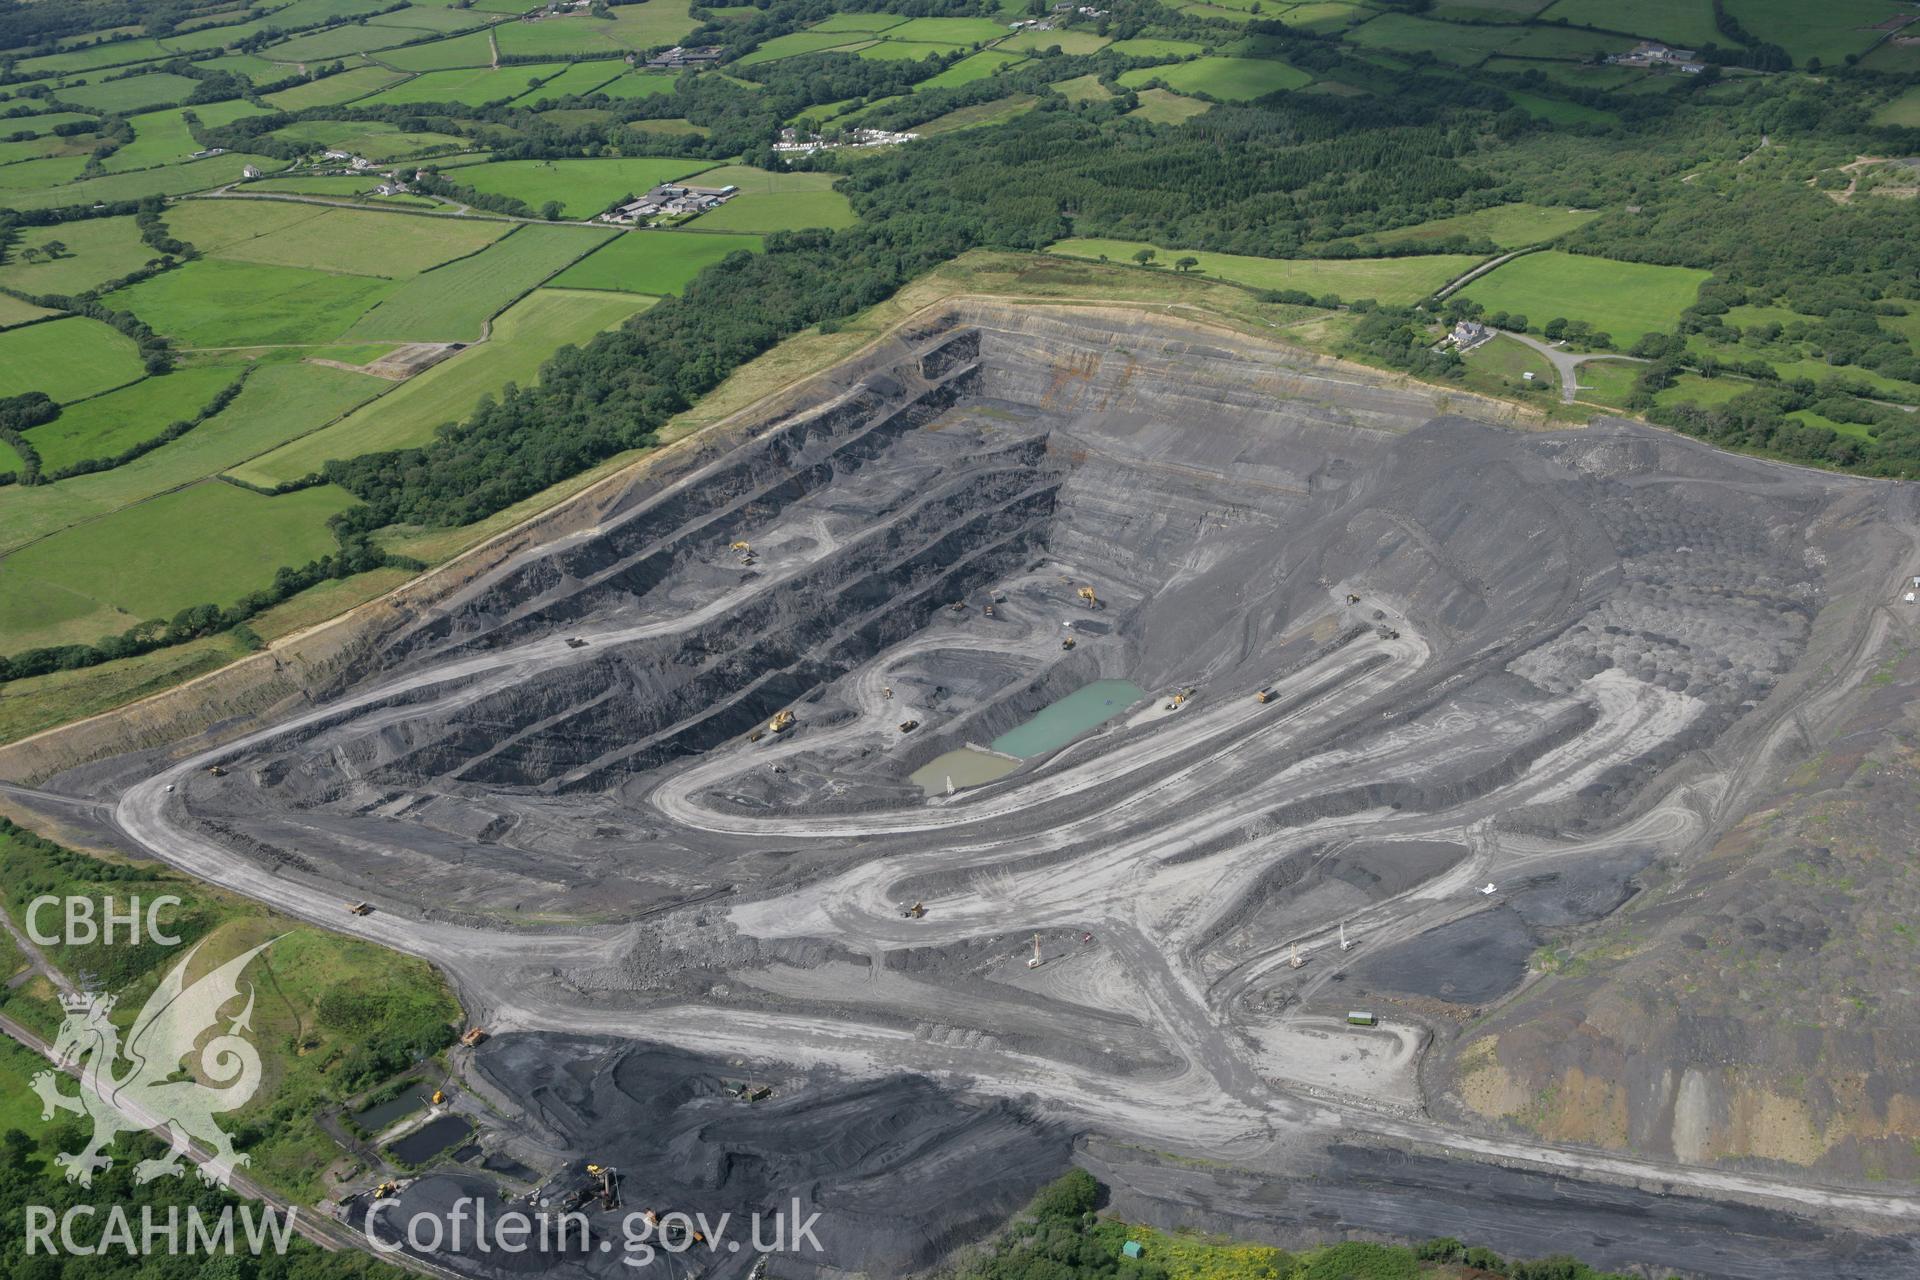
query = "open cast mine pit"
{"x": 777, "y": 760}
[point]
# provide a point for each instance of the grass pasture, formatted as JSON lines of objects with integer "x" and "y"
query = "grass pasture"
{"x": 976, "y": 66}
{"x": 348, "y": 241}
{"x": 1150, "y": 47}
{"x": 523, "y": 338}
{"x": 1624, "y": 299}
{"x": 151, "y": 559}
{"x": 69, "y": 359}
{"x": 473, "y": 87}
{"x": 15, "y": 312}
{"x": 776, "y": 201}
{"x": 218, "y": 303}
{"x": 579, "y": 80}
{"x": 97, "y": 250}
{"x": 960, "y": 31}
{"x": 998, "y": 111}
{"x": 135, "y": 93}
{"x": 796, "y": 43}
{"x": 1163, "y": 106}
{"x": 355, "y": 82}
{"x": 1085, "y": 88}
{"x": 472, "y": 50}
{"x": 1069, "y": 41}
{"x": 652, "y": 262}
{"x": 583, "y": 187}
{"x": 1227, "y": 79}
{"x": 1384, "y": 279}
{"x": 173, "y": 179}
{"x": 454, "y": 302}
{"x": 279, "y": 402}
{"x": 107, "y": 425}
{"x": 1903, "y": 111}
{"x": 1452, "y": 42}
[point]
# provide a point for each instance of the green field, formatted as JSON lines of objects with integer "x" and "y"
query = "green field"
{"x": 1073, "y": 42}
{"x": 1608, "y": 382}
{"x": 394, "y": 245}
{"x": 475, "y": 50}
{"x": 976, "y": 66}
{"x": 1228, "y": 79}
{"x": 775, "y": 201}
{"x": 1558, "y": 110}
{"x": 1625, "y": 299}
{"x": 858, "y": 22}
{"x": 1903, "y": 111}
{"x": 68, "y": 359}
{"x": 523, "y": 338}
{"x": 906, "y": 51}
{"x": 355, "y": 82}
{"x": 583, "y": 187}
{"x": 1691, "y": 388}
{"x": 1163, "y": 106}
{"x": 947, "y": 30}
{"x": 97, "y": 250}
{"x": 135, "y": 93}
{"x": 1499, "y": 366}
{"x": 1148, "y": 47}
{"x": 172, "y": 179}
{"x": 998, "y": 111}
{"x": 453, "y": 303}
{"x": 472, "y": 87}
{"x": 1085, "y": 88}
{"x": 210, "y": 542}
{"x": 655, "y": 262}
{"x": 377, "y": 140}
{"x": 1383, "y": 279}
{"x": 279, "y": 402}
{"x": 339, "y": 42}
{"x": 1828, "y": 31}
{"x": 45, "y": 123}
{"x": 637, "y": 84}
{"x": 1453, "y": 42}
{"x": 15, "y": 312}
{"x": 795, "y": 43}
{"x": 1510, "y": 226}
{"x": 107, "y": 425}
{"x": 163, "y": 137}
{"x": 214, "y": 303}
{"x": 579, "y": 80}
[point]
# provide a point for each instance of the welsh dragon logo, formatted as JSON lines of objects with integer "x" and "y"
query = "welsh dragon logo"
{"x": 146, "y": 1095}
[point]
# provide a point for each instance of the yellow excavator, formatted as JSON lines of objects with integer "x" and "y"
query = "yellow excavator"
{"x": 782, "y": 722}
{"x": 1179, "y": 699}
{"x": 439, "y": 1096}
{"x": 740, "y": 546}
{"x": 1093, "y": 601}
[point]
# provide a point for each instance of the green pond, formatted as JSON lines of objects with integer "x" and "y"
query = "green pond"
{"x": 1054, "y": 726}
{"x": 1058, "y": 723}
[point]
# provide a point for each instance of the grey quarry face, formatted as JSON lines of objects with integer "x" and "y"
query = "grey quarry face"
{"x": 1545, "y": 662}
